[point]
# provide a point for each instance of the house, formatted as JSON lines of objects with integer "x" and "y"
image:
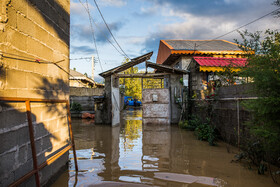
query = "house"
{"x": 204, "y": 70}
{"x": 180, "y": 54}
{"x": 77, "y": 79}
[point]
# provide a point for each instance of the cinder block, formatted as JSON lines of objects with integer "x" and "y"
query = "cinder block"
{"x": 22, "y": 136}
{"x": 43, "y": 6}
{"x": 12, "y": 18}
{"x": 8, "y": 141}
{"x": 8, "y": 180}
{"x": 20, "y": 6}
{"x": 25, "y": 25}
{"x": 46, "y": 143}
{"x": 33, "y": 80}
{"x": 41, "y": 34}
{"x": 45, "y": 174}
{"x": 24, "y": 169}
{"x": 38, "y": 145}
{"x": 59, "y": 163}
{"x": 33, "y": 46}
{"x": 29, "y": 182}
{"x": 40, "y": 130}
{"x": 13, "y": 36}
{"x": 22, "y": 154}
{"x": 41, "y": 158}
{"x": 33, "y": 14}
{"x": 7, "y": 164}
{"x": 12, "y": 118}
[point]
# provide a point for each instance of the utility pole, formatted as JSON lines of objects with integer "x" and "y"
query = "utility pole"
{"x": 92, "y": 67}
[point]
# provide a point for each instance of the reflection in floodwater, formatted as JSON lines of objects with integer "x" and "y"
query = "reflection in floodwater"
{"x": 159, "y": 155}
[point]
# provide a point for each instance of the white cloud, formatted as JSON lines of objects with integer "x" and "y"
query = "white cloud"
{"x": 77, "y": 9}
{"x": 118, "y": 3}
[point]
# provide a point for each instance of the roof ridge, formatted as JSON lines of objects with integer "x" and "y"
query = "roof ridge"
{"x": 194, "y": 40}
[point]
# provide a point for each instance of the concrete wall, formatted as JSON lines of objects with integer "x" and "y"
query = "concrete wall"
{"x": 156, "y": 112}
{"x": 104, "y": 114}
{"x": 225, "y": 116}
{"x": 74, "y": 91}
{"x": 85, "y": 96}
{"x": 115, "y": 96}
{"x": 33, "y": 30}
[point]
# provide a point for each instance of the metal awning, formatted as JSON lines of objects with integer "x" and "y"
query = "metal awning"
{"x": 123, "y": 67}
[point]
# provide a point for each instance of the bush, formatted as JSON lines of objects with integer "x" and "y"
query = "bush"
{"x": 206, "y": 132}
{"x": 77, "y": 107}
{"x": 190, "y": 124}
{"x": 203, "y": 131}
{"x": 194, "y": 122}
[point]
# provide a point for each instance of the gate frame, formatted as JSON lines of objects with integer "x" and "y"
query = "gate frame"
{"x": 109, "y": 112}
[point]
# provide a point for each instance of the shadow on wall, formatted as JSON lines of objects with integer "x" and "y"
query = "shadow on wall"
{"x": 49, "y": 14}
{"x": 51, "y": 133}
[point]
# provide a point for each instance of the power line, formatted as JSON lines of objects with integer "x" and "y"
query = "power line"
{"x": 241, "y": 26}
{"x": 110, "y": 29}
{"x": 29, "y": 59}
{"x": 101, "y": 30}
{"x": 92, "y": 31}
{"x": 81, "y": 58}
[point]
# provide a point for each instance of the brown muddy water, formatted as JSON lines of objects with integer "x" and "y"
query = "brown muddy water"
{"x": 133, "y": 154}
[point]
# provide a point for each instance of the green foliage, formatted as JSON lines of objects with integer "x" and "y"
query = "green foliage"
{"x": 194, "y": 121}
{"x": 263, "y": 69}
{"x": 203, "y": 131}
{"x": 206, "y": 132}
{"x": 77, "y": 107}
{"x": 132, "y": 86}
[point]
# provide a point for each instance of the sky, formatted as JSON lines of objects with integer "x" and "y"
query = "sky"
{"x": 139, "y": 25}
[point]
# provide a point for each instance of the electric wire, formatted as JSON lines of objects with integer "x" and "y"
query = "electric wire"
{"x": 38, "y": 61}
{"x": 22, "y": 58}
{"x": 110, "y": 29}
{"x": 240, "y": 27}
{"x": 101, "y": 30}
{"x": 81, "y": 58}
{"x": 92, "y": 31}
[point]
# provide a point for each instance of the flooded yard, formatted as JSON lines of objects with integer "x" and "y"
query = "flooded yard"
{"x": 134, "y": 154}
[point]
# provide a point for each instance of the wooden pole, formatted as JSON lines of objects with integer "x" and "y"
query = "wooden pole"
{"x": 32, "y": 142}
{"x": 238, "y": 124}
{"x": 92, "y": 67}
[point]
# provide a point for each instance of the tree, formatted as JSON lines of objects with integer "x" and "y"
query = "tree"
{"x": 264, "y": 70}
{"x": 132, "y": 86}
{"x": 277, "y": 3}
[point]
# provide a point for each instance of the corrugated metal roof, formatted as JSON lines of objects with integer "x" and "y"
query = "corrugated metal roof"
{"x": 218, "y": 62}
{"x": 127, "y": 65}
{"x": 202, "y": 45}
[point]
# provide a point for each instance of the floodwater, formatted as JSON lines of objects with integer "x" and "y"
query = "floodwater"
{"x": 152, "y": 155}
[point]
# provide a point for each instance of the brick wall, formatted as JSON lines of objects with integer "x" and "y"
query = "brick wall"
{"x": 31, "y": 30}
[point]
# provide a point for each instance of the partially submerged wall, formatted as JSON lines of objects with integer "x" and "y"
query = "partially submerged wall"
{"x": 228, "y": 111}
{"x": 33, "y": 33}
{"x": 85, "y": 97}
{"x": 156, "y": 106}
